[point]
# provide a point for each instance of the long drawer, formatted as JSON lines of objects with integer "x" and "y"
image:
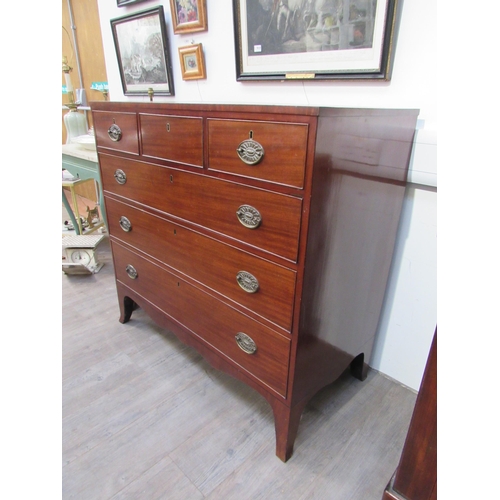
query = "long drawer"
{"x": 270, "y": 151}
{"x": 215, "y": 323}
{"x": 261, "y": 218}
{"x": 256, "y": 284}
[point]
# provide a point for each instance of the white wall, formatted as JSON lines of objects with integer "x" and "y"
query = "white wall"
{"x": 410, "y": 312}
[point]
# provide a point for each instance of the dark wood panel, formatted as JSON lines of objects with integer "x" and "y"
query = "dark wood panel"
{"x": 209, "y": 202}
{"x": 352, "y": 231}
{"x": 173, "y": 138}
{"x": 212, "y": 263}
{"x": 416, "y": 475}
{"x": 284, "y": 146}
{"x": 211, "y": 321}
{"x": 367, "y": 142}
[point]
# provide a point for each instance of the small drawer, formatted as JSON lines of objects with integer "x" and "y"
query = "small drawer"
{"x": 256, "y": 284}
{"x": 269, "y": 151}
{"x": 117, "y": 131}
{"x": 257, "y": 350}
{"x": 258, "y": 217}
{"x": 174, "y": 138}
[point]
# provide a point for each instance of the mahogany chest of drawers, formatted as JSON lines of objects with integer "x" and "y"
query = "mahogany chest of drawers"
{"x": 262, "y": 236}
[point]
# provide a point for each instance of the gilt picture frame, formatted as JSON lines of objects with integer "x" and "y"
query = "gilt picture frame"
{"x": 188, "y": 16}
{"x": 315, "y": 40}
{"x": 141, "y": 44}
{"x": 192, "y": 62}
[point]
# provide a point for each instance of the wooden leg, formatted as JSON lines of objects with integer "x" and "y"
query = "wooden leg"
{"x": 286, "y": 423}
{"x": 76, "y": 211}
{"x": 359, "y": 368}
{"x": 390, "y": 494}
{"x": 70, "y": 213}
{"x": 127, "y": 306}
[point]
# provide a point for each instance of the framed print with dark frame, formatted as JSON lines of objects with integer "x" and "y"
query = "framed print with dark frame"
{"x": 315, "y": 39}
{"x": 192, "y": 62}
{"x": 121, "y": 3}
{"x": 188, "y": 16}
{"x": 141, "y": 45}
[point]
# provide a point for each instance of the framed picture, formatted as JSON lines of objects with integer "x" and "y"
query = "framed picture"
{"x": 315, "y": 40}
{"x": 121, "y": 3}
{"x": 142, "y": 50}
{"x": 188, "y": 15}
{"x": 192, "y": 62}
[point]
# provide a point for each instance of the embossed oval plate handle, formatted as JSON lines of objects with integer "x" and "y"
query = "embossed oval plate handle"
{"x": 125, "y": 224}
{"x": 250, "y": 151}
{"x": 247, "y": 282}
{"x": 249, "y": 216}
{"x": 131, "y": 271}
{"x": 120, "y": 176}
{"x": 245, "y": 343}
{"x": 115, "y": 132}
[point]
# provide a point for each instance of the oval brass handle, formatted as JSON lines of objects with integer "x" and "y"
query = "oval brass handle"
{"x": 125, "y": 224}
{"x": 115, "y": 132}
{"x": 247, "y": 282}
{"x": 120, "y": 176}
{"x": 250, "y": 152}
{"x": 131, "y": 271}
{"x": 245, "y": 343}
{"x": 249, "y": 216}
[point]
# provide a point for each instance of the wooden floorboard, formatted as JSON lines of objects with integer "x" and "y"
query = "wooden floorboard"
{"x": 145, "y": 417}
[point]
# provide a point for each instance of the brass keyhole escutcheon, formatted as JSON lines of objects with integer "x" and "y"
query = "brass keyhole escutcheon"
{"x": 120, "y": 176}
{"x": 131, "y": 271}
{"x": 250, "y": 151}
{"x": 249, "y": 216}
{"x": 115, "y": 132}
{"x": 246, "y": 343}
{"x": 247, "y": 282}
{"x": 125, "y": 224}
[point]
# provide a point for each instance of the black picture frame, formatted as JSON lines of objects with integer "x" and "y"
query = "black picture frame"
{"x": 141, "y": 44}
{"x": 292, "y": 41}
{"x": 122, "y": 3}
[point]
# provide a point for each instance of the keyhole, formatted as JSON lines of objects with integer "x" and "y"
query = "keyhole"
{"x": 114, "y": 121}
{"x": 168, "y": 127}
{"x": 171, "y": 178}
{"x": 250, "y": 135}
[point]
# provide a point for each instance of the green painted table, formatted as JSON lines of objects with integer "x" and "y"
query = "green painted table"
{"x": 82, "y": 164}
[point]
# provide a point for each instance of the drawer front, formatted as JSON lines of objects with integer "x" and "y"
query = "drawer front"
{"x": 174, "y": 138}
{"x": 208, "y": 261}
{"x": 278, "y": 148}
{"x": 209, "y": 319}
{"x": 210, "y": 202}
{"x": 121, "y": 126}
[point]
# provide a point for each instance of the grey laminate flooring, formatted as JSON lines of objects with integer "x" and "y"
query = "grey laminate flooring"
{"x": 145, "y": 417}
